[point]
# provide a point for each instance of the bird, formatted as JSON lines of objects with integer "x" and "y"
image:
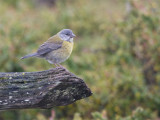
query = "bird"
{"x": 56, "y": 49}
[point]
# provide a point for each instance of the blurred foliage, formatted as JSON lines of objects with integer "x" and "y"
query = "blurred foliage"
{"x": 116, "y": 52}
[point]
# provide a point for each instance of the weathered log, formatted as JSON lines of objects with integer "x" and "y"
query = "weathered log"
{"x": 44, "y": 89}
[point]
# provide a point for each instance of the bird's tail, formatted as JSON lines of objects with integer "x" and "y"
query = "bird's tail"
{"x": 29, "y": 55}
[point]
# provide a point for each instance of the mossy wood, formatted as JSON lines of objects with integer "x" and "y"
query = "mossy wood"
{"x": 45, "y": 89}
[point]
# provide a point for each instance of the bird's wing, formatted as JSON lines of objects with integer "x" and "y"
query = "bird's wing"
{"x": 51, "y": 44}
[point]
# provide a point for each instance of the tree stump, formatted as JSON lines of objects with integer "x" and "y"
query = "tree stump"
{"x": 44, "y": 89}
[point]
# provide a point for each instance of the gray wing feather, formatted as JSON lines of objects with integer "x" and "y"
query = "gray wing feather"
{"x": 48, "y": 47}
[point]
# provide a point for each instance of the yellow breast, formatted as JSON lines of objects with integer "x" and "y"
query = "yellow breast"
{"x": 67, "y": 47}
{"x": 61, "y": 54}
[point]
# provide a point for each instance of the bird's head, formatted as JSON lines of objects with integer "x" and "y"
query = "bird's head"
{"x": 67, "y": 35}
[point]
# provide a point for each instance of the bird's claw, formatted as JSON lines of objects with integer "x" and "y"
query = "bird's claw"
{"x": 59, "y": 66}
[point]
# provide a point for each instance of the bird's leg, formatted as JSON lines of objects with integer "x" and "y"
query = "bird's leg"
{"x": 61, "y": 66}
{"x": 56, "y": 65}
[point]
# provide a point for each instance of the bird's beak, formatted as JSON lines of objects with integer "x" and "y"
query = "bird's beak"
{"x": 73, "y": 35}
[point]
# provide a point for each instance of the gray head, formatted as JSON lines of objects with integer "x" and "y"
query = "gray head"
{"x": 67, "y": 35}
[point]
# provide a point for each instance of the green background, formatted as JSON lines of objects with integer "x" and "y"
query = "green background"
{"x": 116, "y": 52}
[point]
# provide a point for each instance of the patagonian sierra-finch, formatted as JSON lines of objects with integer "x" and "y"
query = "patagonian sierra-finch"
{"x": 56, "y": 49}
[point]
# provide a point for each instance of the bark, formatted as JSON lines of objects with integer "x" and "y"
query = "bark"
{"x": 44, "y": 89}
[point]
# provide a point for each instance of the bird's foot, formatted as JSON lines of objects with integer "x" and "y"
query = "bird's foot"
{"x": 61, "y": 66}
{"x": 56, "y": 66}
